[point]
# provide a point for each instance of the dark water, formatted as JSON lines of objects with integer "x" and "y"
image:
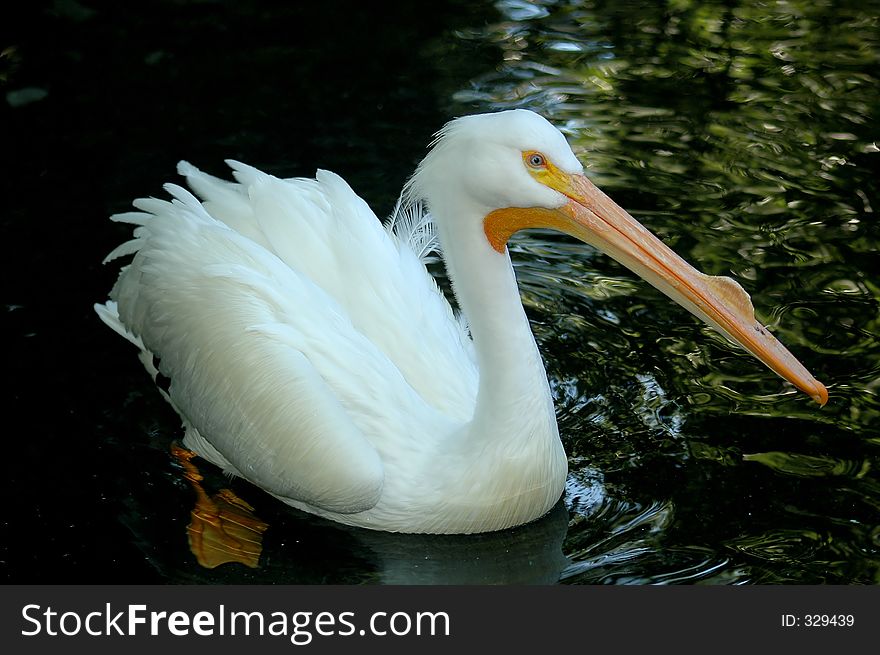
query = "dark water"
{"x": 743, "y": 134}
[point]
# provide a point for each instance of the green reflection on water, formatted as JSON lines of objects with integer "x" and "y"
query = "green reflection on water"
{"x": 744, "y": 134}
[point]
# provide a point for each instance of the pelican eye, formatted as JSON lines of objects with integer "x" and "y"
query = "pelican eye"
{"x": 536, "y": 160}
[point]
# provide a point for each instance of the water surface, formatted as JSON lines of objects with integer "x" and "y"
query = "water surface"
{"x": 744, "y": 134}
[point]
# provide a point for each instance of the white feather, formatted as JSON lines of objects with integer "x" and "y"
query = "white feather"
{"x": 411, "y": 224}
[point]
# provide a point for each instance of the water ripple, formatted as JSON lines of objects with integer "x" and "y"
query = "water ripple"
{"x": 745, "y": 137}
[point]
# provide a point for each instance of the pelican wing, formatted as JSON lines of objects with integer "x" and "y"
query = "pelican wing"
{"x": 302, "y": 341}
{"x": 323, "y": 230}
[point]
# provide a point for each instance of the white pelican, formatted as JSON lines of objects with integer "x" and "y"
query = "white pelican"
{"x": 308, "y": 350}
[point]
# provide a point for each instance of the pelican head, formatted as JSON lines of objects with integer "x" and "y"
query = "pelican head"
{"x": 484, "y": 157}
{"x": 513, "y": 170}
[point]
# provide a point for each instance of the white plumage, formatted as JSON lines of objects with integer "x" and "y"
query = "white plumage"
{"x": 310, "y": 351}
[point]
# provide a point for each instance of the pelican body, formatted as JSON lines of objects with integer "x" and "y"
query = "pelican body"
{"x": 310, "y": 352}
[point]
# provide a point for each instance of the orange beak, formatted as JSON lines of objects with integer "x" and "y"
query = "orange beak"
{"x": 594, "y": 218}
